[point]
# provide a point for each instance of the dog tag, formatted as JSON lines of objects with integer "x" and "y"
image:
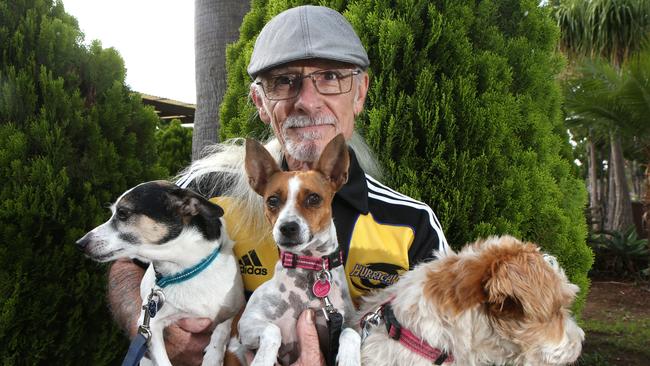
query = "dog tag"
{"x": 321, "y": 288}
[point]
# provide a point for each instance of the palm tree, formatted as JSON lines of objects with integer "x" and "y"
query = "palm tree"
{"x": 635, "y": 94}
{"x": 216, "y": 23}
{"x": 593, "y": 100}
{"x": 613, "y": 30}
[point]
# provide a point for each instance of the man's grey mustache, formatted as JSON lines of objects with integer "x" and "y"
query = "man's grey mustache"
{"x": 304, "y": 121}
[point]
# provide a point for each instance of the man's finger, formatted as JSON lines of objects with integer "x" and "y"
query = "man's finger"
{"x": 310, "y": 353}
{"x": 184, "y": 348}
{"x": 195, "y": 325}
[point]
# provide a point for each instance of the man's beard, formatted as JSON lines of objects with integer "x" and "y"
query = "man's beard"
{"x": 304, "y": 146}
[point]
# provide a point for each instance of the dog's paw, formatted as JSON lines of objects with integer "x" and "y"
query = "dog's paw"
{"x": 349, "y": 348}
{"x": 213, "y": 357}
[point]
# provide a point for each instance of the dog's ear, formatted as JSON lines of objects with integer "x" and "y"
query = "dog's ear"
{"x": 260, "y": 166}
{"x": 196, "y": 209}
{"x": 463, "y": 281}
{"x": 456, "y": 283}
{"x": 503, "y": 288}
{"x": 334, "y": 162}
{"x": 190, "y": 203}
{"x": 520, "y": 283}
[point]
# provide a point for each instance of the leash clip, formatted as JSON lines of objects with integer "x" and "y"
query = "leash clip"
{"x": 368, "y": 321}
{"x": 155, "y": 302}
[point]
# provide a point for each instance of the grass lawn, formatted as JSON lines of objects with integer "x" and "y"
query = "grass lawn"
{"x": 616, "y": 321}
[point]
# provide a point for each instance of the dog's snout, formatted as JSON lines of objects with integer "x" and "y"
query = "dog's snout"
{"x": 290, "y": 229}
{"x": 83, "y": 243}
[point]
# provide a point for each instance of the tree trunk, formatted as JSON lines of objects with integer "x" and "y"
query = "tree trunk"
{"x": 646, "y": 197}
{"x": 594, "y": 201}
{"x": 620, "y": 214}
{"x": 216, "y": 23}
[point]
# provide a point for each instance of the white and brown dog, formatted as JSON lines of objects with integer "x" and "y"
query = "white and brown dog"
{"x": 183, "y": 237}
{"x": 310, "y": 273}
{"x": 498, "y": 301}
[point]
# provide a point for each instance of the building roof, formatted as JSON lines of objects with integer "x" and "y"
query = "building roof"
{"x": 168, "y": 109}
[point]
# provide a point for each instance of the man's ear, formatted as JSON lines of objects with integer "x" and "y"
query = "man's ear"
{"x": 361, "y": 93}
{"x": 334, "y": 162}
{"x": 260, "y": 166}
{"x": 259, "y": 103}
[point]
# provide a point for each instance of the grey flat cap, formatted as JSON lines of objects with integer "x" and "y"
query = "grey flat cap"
{"x": 306, "y": 32}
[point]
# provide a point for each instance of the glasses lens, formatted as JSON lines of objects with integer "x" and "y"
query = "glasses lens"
{"x": 333, "y": 81}
{"x": 282, "y": 86}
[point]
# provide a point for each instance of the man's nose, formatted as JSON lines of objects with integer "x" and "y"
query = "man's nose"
{"x": 309, "y": 100}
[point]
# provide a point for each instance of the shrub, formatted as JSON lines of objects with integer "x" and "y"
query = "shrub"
{"x": 72, "y": 137}
{"x": 174, "y": 146}
{"x": 622, "y": 254}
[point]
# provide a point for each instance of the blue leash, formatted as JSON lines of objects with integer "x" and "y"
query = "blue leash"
{"x": 136, "y": 351}
{"x": 155, "y": 301}
{"x": 139, "y": 344}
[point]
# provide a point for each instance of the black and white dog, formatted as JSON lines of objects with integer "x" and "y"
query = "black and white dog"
{"x": 182, "y": 236}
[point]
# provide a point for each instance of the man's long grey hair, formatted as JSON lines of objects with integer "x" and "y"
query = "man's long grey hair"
{"x": 223, "y": 167}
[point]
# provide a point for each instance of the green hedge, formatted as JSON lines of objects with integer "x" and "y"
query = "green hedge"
{"x": 174, "y": 146}
{"x": 464, "y": 113}
{"x": 72, "y": 138}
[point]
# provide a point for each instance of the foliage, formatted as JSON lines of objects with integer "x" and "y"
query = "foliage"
{"x": 604, "y": 98}
{"x": 72, "y": 137}
{"x": 464, "y": 111}
{"x": 174, "y": 146}
{"x": 612, "y": 29}
{"x": 620, "y": 253}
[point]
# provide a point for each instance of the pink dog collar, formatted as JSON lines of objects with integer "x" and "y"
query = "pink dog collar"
{"x": 290, "y": 260}
{"x": 410, "y": 340}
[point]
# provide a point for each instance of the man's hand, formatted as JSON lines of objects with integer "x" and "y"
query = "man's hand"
{"x": 310, "y": 353}
{"x": 186, "y": 340}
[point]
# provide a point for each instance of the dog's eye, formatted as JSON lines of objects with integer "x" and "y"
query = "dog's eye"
{"x": 122, "y": 214}
{"x": 313, "y": 200}
{"x": 273, "y": 202}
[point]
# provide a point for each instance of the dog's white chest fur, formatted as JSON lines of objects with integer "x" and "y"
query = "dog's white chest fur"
{"x": 199, "y": 296}
{"x": 282, "y": 299}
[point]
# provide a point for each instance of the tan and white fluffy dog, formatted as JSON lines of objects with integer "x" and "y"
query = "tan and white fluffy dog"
{"x": 498, "y": 301}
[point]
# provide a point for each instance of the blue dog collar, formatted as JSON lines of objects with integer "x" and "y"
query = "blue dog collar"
{"x": 164, "y": 281}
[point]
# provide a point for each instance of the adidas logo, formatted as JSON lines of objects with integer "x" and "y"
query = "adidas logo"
{"x": 251, "y": 264}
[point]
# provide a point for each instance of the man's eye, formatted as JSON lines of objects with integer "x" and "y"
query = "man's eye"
{"x": 273, "y": 202}
{"x": 284, "y": 80}
{"x": 313, "y": 200}
{"x": 330, "y": 75}
{"x": 122, "y": 214}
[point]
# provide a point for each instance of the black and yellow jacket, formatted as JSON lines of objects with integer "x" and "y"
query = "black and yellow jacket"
{"x": 381, "y": 232}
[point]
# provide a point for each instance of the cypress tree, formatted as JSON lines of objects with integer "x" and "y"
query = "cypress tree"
{"x": 464, "y": 113}
{"x": 174, "y": 146}
{"x": 72, "y": 137}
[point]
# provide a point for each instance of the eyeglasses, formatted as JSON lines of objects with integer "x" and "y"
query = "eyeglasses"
{"x": 326, "y": 82}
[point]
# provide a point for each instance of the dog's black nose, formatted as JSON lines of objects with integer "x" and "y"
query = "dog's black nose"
{"x": 82, "y": 243}
{"x": 290, "y": 229}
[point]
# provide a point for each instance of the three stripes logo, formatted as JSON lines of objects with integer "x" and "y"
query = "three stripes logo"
{"x": 250, "y": 264}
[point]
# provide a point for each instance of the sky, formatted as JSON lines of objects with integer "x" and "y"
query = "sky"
{"x": 154, "y": 37}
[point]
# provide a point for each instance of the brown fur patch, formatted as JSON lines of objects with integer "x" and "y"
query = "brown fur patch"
{"x": 511, "y": 279}
{"x": 318, "y": 216}
{"x": 150, "y": 230}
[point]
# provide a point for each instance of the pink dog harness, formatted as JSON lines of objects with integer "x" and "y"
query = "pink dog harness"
{"x": 404, "y": 336}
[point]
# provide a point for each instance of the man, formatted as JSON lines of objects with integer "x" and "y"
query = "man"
{"x": 309, "y": 82}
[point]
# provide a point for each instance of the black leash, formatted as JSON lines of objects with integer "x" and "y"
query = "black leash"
{"x": 140, "y": 343}
{"x": 334, "y": 326}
